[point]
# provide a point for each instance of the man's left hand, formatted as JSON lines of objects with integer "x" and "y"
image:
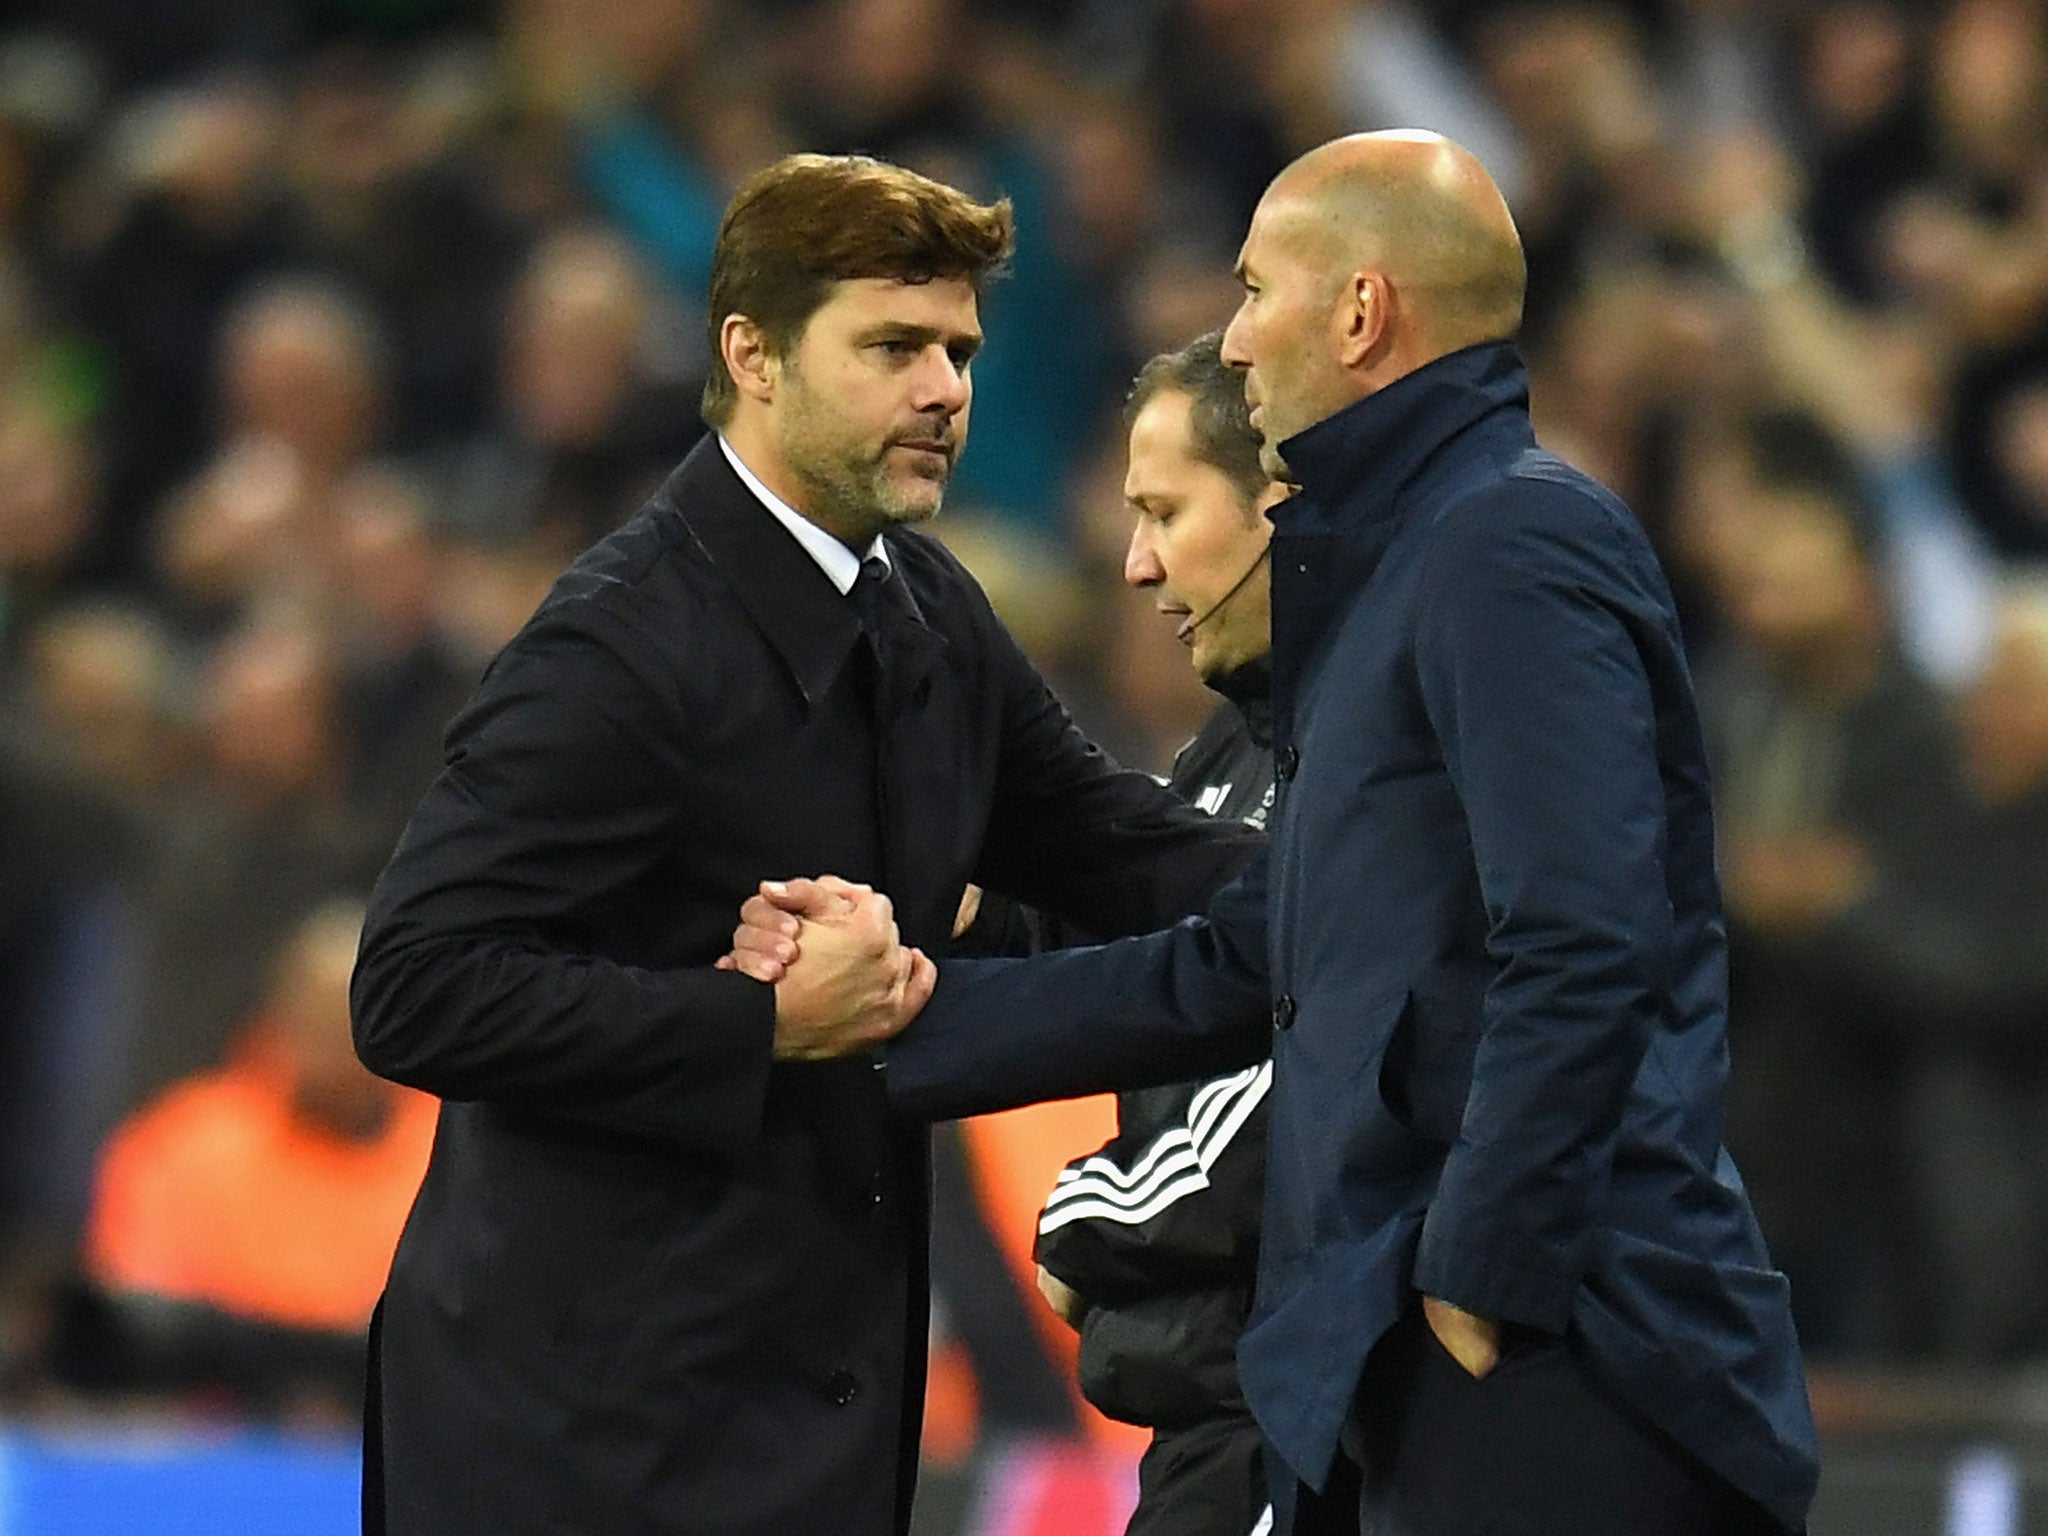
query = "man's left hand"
{"x": 970, "y": 909}
{"x": 1470, "y": 1340}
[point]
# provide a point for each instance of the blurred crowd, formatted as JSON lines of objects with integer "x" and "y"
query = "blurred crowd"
{"x": 331, "y": 329}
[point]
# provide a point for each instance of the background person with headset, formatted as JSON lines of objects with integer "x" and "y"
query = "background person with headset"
{"x": 1149, "y": 1246}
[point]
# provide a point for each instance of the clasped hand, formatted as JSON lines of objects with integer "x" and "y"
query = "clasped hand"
{"x": 843, "y": 978}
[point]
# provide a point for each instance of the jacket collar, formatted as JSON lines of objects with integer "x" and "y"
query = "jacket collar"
{"x": 809, "y": 622}
{"x": 1353, "y": 468}
{"x": 1250, "y": 689}
{"x": 840, "y": 564}
{"x": 1353, "y": 465}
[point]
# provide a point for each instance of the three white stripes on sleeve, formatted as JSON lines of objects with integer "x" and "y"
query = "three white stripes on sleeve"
{"x": 1173, "y": 1167}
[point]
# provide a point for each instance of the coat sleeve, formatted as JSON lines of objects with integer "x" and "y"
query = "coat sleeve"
{"x": 1531, "y": 656}
{"x": 1174, "y": 1207}
{"x": 1167, "y": 1361}
{"x": 1188, "y": 1001}
{"x": 1105, "y": 849}
{"x": 476, "y": 978}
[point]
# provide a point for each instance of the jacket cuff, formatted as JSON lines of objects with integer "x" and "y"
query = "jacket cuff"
{"x": 1493, "y": 1285}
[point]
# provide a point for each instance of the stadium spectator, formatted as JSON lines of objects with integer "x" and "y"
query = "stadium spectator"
{"x": 1831, "y": 756}
{"x": 243, "y": 1221}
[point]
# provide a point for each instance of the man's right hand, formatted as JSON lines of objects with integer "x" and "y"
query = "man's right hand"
{"x": 1068, "y": 1304}
{"x": 843, "y": 979}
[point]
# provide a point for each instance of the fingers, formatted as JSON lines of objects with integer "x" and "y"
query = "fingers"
{"x": 1064, "y": 1300}
{"x": 751, "y": 963}
{"x": 850, "y": 890}
{"x": 831, "y": 948}
{"x": 1472, "y": 1341}
{"x": 874, "y": 909}
{"x": 917, "y": 991}
{"x": 970, "y": 908}
{"x": 764, "y": 944}
{"x": 759, "y": 912}
{"x": 826, "y": 896}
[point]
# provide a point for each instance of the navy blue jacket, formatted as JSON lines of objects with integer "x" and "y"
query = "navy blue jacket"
{"x": 1489, "y": 934}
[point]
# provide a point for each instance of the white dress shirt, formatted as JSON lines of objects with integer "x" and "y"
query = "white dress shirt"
{"x": 839, "y": 563}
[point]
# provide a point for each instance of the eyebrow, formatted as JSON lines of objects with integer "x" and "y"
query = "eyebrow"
{"x": 923, "y": 335}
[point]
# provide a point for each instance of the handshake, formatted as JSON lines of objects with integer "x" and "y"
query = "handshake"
{"x": 844, "y": 980}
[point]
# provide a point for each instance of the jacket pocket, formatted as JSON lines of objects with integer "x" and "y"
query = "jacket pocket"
{"x": 1426, "y": 1073}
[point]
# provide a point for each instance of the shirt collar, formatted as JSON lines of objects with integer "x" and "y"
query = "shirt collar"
{"x": 839, "y": 563}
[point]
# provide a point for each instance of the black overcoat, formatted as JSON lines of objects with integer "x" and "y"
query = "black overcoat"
{"x": 653, "y": 1281}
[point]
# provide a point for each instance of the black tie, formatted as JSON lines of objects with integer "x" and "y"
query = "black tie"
{"x": 878, "y": 599}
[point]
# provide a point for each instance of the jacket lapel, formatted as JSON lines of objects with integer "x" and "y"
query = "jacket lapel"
{"x": 793, "y": 603}
{"x": 910, "y": 730}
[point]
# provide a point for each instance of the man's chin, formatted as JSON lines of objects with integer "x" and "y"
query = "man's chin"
{"x": 915, "y": 502}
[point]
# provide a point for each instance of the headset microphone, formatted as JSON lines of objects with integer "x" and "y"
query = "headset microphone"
{"x": 1210, "y": 612}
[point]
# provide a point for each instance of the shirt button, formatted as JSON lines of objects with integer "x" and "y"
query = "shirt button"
{"x": 1285, "y": 761}
{"x": 1283, "y": 1011}
{"x": 842, "y": 1387}
{"x": 875, "y": 1190}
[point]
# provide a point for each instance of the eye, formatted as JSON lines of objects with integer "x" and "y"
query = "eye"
{"x": 962, "y": 354}
{"x": 898, "y": 346}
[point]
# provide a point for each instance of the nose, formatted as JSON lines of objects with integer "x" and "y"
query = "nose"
{"x": 942, "y": 384}
{"x": 1141, "y": 560}
{"x": 1233, "y": 348}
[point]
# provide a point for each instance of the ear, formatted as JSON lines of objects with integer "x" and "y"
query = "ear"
{"x": 1363, "y": 316}
{"x": 754, "y": 367}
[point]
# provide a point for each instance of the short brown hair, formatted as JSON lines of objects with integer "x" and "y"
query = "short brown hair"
{"x": 809, "y": 221}
{"x": 1220, "y": 430}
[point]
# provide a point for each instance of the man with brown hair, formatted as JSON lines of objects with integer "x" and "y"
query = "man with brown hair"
{"x": 665, "y": 1272}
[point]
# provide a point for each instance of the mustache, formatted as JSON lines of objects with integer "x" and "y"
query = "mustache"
{"x": 928, "y": 431}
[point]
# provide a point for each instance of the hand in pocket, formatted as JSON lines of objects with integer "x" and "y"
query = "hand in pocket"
{"x": 1471, "y": 1341}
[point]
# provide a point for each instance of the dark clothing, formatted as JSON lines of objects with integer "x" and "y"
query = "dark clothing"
{"x": 654, "y": 1280}
{"x": 1944, "y": 955}
{"x": 1159, "y": 1230}
{"x": 1535, "y": 1447}
{"x": 106, "y": 1343}
{"x": 1208, "y": 1476}
{"x": 1878, "y": 769}
{"x": 1508, "y": 1091}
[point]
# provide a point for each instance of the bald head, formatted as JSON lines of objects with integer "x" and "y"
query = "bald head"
{"x": 1423, "y": 211}
{"x": 1367, "y": 258}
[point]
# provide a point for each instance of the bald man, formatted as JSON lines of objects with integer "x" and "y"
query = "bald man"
{"x": 1510, "y": 1281}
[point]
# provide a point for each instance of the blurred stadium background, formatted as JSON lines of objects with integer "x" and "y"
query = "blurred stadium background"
{"x": 331, "y": 329}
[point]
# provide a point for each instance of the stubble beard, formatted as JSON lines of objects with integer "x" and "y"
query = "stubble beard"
{"x": 849, "y": 490}
{"x": 1270, "y": 439}
{"x": 852, "y": 496}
